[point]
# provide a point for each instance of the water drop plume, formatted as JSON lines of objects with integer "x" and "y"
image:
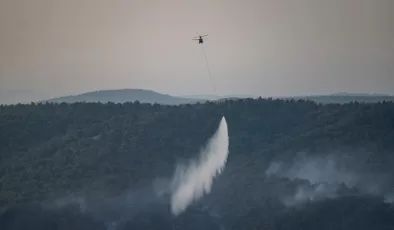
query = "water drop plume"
{"x": 191, "y": 182}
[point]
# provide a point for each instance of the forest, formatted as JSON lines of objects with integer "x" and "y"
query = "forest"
{"x": 293, "y": 164}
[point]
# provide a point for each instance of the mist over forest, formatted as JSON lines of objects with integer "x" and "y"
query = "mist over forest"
{"x": 290, "y": 164}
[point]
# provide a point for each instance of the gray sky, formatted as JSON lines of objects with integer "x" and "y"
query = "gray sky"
{"x": 261, "y": 47}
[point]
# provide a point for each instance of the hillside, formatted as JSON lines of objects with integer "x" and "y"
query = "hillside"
{"x": 292, "y": 164}
{"x": 125, "y": 95}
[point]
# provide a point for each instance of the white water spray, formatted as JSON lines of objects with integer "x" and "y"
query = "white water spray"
{"x": 191, "y": 182}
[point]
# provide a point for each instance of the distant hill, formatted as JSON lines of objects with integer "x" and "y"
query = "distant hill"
{"x": 337, "y": 98}
{"x": 341, "y": 98}
{"x": 125, "y": 95}
{"x": 203, "y": 96}
{"x": 217, "y": 97}
{"x": 359, "y": 94}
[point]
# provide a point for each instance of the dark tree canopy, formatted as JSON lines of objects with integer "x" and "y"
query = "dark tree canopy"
{"x": 103, "y": 151}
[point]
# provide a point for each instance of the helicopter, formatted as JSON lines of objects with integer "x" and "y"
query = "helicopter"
{"x": 199, "y": 38}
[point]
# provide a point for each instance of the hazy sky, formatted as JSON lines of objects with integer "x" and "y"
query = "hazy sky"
{"x": 261, "y": 47}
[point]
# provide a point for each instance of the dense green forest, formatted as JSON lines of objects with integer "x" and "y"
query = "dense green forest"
{"x": 103, "y": 152}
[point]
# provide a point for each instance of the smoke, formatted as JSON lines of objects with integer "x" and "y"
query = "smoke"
{"x": 311, "y": 192}
{"x": 316, "y": 170}
{"x": 190, "y": 182}
{"x": 328, "y": 177}
{"x": 71, "y": 200}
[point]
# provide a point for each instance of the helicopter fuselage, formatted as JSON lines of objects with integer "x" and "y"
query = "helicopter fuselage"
{"x": 199, "y": 38}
